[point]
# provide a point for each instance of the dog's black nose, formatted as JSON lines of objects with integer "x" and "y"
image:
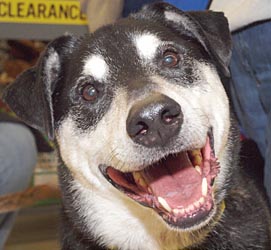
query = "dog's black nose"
{"x": 154, "y": 121}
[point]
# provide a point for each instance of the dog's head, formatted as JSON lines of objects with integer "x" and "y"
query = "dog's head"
{"x": 139, "y": 104}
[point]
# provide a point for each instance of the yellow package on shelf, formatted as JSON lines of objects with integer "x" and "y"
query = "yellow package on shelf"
{"x": 62, "y": 12}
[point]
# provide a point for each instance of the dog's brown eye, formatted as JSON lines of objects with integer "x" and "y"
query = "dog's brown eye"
{"x": 90, "y": 93}
{"x": 170, "y": 59}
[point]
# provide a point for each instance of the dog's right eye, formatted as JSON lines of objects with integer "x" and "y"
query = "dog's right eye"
{"x": 170, "y": 58}
{"x": 90, "y": 93}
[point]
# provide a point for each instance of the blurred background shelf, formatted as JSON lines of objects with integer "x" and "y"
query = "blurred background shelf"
{"x": 36, "y": 228}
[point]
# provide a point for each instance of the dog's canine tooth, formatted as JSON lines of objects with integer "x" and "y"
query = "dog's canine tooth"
{"x": 204, "y": 187}
{"x": 196, "y": 157}
{"x": 164, "y": 204}
{"x": 139, "y": 179}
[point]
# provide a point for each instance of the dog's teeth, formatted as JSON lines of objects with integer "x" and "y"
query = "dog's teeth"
{"x": 186, "y": 210}
{"x": 176, "y": 211}
{"x": 198, "y": 169}
{"x": 197, "y": 204}
{"x": 164, "y": 204}
{"x": 204, "y": 187}
{"x": 139, "y": 179}
{"x": 191, "y": 208}
{"x": 196, "y": 157}
{"x": 201, "y": 200}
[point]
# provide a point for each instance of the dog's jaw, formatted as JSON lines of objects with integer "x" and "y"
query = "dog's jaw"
{"x": 178, "y": 187}
{"x": 106, "y": 215}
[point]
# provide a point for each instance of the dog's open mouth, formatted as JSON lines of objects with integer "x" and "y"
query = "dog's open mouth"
{"x": 178, "y": 187}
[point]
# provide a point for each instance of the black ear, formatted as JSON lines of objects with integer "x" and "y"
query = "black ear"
{"x": 30, "y": 96}
{"x": 209, "y": 28}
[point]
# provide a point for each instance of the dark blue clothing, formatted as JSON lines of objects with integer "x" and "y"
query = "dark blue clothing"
{"x": 251, "y": 88}
{"x": 189, "y": 4}
{"x": 267, "y": 172}
{"x": 135, "y": 5}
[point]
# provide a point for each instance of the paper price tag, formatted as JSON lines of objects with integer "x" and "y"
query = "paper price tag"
{"x": 63, "y": 12}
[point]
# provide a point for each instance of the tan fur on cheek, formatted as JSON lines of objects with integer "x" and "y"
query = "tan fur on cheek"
{"x": 77, "y": 154}
{"x": 84, "y": 151}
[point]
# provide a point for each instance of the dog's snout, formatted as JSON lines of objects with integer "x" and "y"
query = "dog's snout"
{"x": 154, "y": 121}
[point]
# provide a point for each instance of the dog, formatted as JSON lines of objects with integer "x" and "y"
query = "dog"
{"x": 147, "y": 140}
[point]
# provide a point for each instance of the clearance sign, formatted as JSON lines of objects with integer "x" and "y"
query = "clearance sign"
{"x": 65, "y": 12}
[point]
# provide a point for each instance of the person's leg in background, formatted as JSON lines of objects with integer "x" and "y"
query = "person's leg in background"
{"x": 267, "y": 175}
{"x": 251, "y": 88}
{"x": 18, "y": 155}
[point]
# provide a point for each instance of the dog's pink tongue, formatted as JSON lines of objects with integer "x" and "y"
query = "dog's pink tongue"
{"x": 175, "y": 180}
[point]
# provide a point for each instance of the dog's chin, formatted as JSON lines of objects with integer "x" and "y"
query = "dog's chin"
{"x": 179, "y": 187}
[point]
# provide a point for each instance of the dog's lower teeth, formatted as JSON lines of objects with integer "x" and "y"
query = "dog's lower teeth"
{"x": 201, "y": 200}
{"x": 190, "y": 208}
{"x": 176, "y": 211}
{"x": 164, "y": 204}
{"x": 204, "y": 187}
{"x": 197, "y": 204}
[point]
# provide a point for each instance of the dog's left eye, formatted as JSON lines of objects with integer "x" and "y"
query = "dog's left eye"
{"x": 170, "y": 59}
{"x": 90, "y": 93}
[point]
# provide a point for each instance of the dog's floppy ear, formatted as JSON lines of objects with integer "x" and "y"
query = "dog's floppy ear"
{"x": 30, "y": 96}
{"x": 209, "y": 28}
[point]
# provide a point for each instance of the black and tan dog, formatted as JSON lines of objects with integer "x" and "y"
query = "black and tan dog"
{"x": 145, "y": 135}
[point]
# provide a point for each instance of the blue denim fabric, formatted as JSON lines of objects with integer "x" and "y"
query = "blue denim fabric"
{"x": 251, "y": 88}
{"x": 131, "y": 6}
{"x": 189, "y": 5}
{"x": 267, "y": 174}
{"x": 18, "y": 155}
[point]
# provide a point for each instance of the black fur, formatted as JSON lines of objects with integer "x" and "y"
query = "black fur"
{"x": 44, "y": 95}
